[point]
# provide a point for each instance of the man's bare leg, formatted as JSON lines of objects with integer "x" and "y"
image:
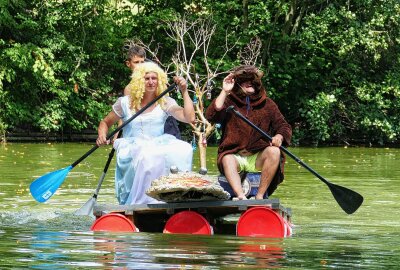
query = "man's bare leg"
{"x": 268, "y": 161}
{"x": 230, "y": 165}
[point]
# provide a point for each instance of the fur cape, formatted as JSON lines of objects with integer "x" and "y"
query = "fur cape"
{"x": 260, "y": 110}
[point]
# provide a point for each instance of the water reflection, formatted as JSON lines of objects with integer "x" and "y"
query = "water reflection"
{"x": 43, "y": 244}
{"x": 141, "y": 250}
{"x": 264, "y": 253}
{"x": 46, "y": 250}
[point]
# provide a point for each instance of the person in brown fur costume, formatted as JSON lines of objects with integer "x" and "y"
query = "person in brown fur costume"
{"x": 242, "y": 148}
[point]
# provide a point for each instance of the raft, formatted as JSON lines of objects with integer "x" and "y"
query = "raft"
{"x": 253, "y": 218}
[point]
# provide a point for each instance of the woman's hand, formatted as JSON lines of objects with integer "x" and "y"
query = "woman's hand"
{"x": 102, "y": 140}
{"x": 103, "y": 127}
{"x": 185, "y": 114}
{"x": 228, "y": 84}
{"x": 181, "y": 83}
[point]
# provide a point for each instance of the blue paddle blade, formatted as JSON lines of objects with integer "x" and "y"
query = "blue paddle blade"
{"x": 45, "y": 186}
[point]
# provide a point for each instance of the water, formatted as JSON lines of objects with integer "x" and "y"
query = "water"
{"x": 49, "y": 236}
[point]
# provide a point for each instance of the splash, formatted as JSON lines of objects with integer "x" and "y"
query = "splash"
{"x": 45, "y": 219}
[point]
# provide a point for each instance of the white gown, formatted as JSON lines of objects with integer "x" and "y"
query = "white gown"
{"x": 145, "y": 153}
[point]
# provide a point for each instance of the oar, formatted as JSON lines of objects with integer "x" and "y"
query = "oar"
{"x": 348, "y": 199}
{"x": 45, "y": 186}
{"x": 87, "y": 208}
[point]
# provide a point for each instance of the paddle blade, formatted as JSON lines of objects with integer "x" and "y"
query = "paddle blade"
{"x": 45, "y": 186}
{"x": 348, "y": 199}
{"x": 87, "y": 208}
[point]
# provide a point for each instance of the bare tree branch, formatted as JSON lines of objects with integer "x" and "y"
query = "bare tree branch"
{"x": 249, "y": 55}
{"x": 193, "y": 39}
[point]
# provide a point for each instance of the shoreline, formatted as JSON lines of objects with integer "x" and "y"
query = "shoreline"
{"x": 91, "y": 136}
{"x": 83, "y": 136}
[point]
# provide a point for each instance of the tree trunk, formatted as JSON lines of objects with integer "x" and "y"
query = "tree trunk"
{"x": 245, "y": 6}
{"x": 203, "y": 155}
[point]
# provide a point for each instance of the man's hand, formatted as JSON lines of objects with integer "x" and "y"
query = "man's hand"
{"x": 228, "y": 83}
{"x": 277, "y": 140}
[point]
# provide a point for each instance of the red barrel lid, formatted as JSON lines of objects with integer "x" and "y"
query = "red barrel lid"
{"x": 113, "y": 222}
{"x": 260, "y": 221}
{"x": 189, "y": 222}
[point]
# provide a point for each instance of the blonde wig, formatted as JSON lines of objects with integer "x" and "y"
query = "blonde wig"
{"x": 137, "y": 84}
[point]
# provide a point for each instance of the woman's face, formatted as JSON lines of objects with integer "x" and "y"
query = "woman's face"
{"x": 150, "y": 81}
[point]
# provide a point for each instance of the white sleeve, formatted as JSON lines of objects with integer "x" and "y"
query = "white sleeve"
{"x": 169, "y": 104}
{"x": 117, "y": 107}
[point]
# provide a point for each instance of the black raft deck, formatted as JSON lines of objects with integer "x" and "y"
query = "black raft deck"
{"x": 153, "y": 217}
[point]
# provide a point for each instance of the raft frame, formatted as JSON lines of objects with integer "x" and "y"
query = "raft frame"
{"x": 153, "y": 217}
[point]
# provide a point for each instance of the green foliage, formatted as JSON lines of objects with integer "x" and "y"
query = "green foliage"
{"x": 318, "y": 114}
{"x": 332, "y": 66}
{"x": 348, "y": 52}
{"x": 60, "y": 62}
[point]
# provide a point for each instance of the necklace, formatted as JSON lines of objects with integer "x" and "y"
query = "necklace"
{"x": 141, "y": 126}
{"x": 149, "y": 110}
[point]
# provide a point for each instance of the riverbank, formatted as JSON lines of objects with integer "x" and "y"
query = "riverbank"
{"x": 91, "y": 135}
{"x": 34, "y": 136}
{"x": 29, "y": 136}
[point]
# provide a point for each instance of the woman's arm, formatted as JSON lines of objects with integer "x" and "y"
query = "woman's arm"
{"x": 103, "y": 127}
{"x": 185, "y": 114}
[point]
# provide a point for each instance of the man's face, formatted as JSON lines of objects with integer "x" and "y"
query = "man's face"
{"x": 247, "y": 87}
{"x": 135, "y": 60}
{"x": 150, "y": 81}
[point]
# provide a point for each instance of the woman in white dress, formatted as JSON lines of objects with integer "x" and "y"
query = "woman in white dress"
{"x": 145, "y": 153}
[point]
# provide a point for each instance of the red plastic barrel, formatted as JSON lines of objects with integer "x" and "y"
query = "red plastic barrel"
{"x": 288, "y": 228}
{"x": 261, "y": 221}
{"x": 113, "y": 222}
{"x": 188, "y": 222}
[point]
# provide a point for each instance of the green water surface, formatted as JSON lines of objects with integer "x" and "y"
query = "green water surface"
{"x": 49, "y": 236}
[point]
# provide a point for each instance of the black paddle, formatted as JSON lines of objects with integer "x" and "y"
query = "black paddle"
{"x": 87, "y": 208}
{"x": 45, "y": 186}
{"x": 348, "y": 199}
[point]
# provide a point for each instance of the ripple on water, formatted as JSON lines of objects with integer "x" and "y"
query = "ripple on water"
{"x": 47, "y": 220}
